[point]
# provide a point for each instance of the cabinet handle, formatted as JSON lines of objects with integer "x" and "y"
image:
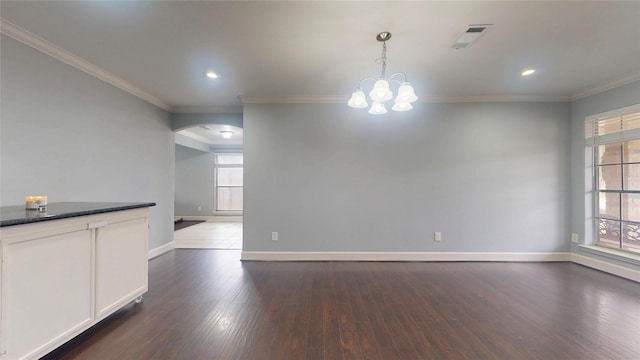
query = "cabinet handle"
{"x": 97, "y": 224}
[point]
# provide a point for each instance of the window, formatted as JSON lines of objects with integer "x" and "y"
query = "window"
{"x": 615, "y": 142}
{"x": 228, "y": 182}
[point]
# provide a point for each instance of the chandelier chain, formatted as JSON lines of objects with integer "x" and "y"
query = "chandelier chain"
{"x": 383, "y": 59}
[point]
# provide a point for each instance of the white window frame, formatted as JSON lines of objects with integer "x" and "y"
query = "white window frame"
{"x": 591, "y": 204}
{"x": 216, "y": 166}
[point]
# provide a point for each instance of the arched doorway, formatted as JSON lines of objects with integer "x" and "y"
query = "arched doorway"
{"x": 208, "y": 181}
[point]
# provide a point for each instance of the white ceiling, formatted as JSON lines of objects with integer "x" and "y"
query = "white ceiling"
{"x": 286, "y": 51}
{"x": 210, "y": 134}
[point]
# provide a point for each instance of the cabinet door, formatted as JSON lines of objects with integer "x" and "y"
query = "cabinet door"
{"x": 121, "y": 264}
{"x": 46, "y": 284}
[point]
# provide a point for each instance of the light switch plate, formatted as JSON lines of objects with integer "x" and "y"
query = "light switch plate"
{"x": 574, "y": 238}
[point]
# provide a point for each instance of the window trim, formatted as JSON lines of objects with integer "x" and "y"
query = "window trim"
{"x": 611, "y": 253}
{"x": 215, "y": 184}
{"x": 592, "y": 142}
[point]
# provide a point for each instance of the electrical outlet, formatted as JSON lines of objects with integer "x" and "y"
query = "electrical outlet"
{"x": 575, "y": 238}
{"x": 199, "y": 208}
{"x": 274, "y": 236}
{"x": 437, "y": 236}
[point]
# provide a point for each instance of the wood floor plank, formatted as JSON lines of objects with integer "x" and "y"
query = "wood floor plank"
{"x": 331, "y": 327}
{"x": 348, "y": 332}
{"x": 315, "y": 338}
{"x": 368, "y": 343}
{"x": 206, "y": 304}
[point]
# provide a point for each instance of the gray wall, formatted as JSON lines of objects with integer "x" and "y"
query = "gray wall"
{"x": 610, "y": 100}
{"x": 181, "y": 121}
{"x": 191, "y": 143}
{"x": 72, "y": 137}
{"x": 492, "y": 177}
{"x": 194, "y": 182}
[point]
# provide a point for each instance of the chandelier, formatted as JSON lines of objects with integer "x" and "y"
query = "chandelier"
{"x": 381, "y": 92}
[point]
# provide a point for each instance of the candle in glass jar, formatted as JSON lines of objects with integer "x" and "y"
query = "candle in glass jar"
{"x": 36, "y": 202}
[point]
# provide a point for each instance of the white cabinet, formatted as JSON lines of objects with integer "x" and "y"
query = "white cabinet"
{"x": 60, "y": 277}
{"x": 46, "y": 283}
{"x": 120, "y": 275}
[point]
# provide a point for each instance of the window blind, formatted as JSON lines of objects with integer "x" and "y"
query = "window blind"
{"x": 611, "y": 127}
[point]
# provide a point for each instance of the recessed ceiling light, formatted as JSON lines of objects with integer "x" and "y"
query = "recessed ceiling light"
{"x": 226, "y": 134}
{"x": 212, "y": 75}
{"x": 527, "y": 71}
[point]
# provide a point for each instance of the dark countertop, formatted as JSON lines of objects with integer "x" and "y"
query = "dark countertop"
{"x": 17, "y": 215}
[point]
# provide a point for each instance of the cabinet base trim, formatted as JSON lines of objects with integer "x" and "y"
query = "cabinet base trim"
{"x": 59, "y": 340}
{"x": 103, "y": 313}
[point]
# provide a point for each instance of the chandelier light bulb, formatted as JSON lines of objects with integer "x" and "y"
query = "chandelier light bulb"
{"x": 358, "y": 99}
{"x": 226, "y": 134}
{"x": 377, "y": 109}
{"x": 381, "y": 91}
{"x": 406, "y": 94}
{"x": 402, "y": 106}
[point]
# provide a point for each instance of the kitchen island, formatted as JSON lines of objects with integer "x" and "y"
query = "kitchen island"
{"x": 65, "y": 269}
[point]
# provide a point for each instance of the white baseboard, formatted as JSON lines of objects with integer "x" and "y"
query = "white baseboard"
{"x": 179, "y": 244}
{"x": 614, "y": 269}
{"x": 213, "y": 218}
{"x": 161, "y": 250}
{"x": 197, "y": 218}
{"x": 401, "y": 256}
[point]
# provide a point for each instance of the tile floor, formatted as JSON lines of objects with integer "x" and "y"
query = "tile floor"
{"x": 210, "y": 235}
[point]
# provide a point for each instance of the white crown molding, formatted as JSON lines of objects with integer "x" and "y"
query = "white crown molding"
{"x": 427, "y": 99}
{"x": 207, "y": 109}
{"x": 493, "y": 98}
{"x": 455, "y": 99}
{"x": 295, "y": 100}
{"x": 401, "y": 256}
{"x": 444, "y": 99}
{"x": 56, "y": 52}
{"x": 607, "y": 86}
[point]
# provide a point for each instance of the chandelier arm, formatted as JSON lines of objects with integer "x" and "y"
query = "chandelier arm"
{"x": 363, "y": 80}
{"x": 404, "y": 77}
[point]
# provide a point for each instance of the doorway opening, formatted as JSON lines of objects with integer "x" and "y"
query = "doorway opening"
{"x": 209, "y": 187}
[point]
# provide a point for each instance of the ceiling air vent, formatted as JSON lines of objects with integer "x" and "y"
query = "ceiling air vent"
{"x": 472, "y": 34}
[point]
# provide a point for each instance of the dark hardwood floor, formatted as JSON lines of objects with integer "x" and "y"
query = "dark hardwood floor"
{"x": 206, "y": 304}
{"x": 178, "y": 225}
